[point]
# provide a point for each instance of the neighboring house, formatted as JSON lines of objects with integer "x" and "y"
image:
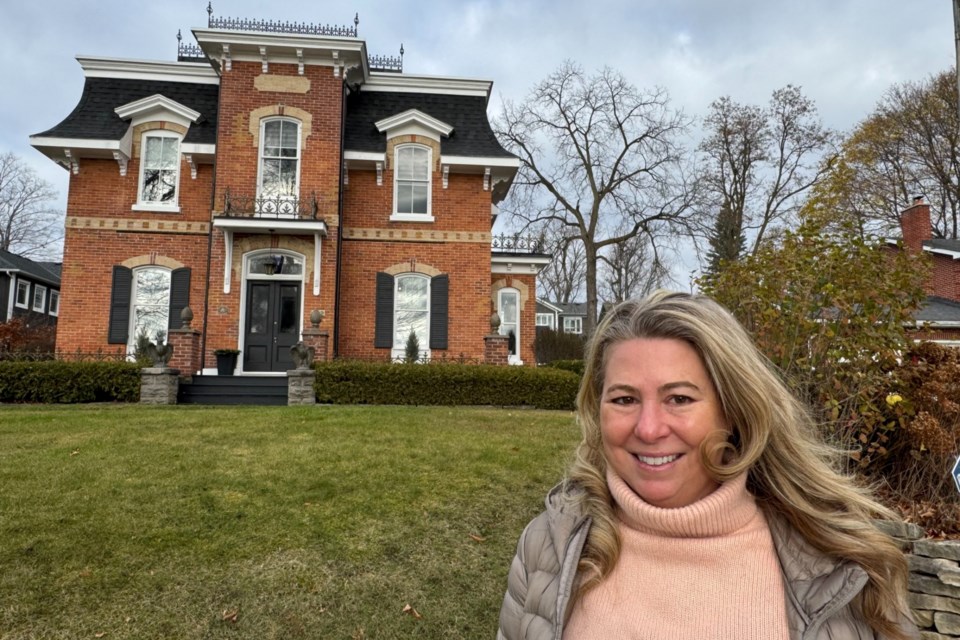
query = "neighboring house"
{"x": 276, "y": 173}
{"x": 563, "y": 316}
{"x": 939, "y": 317}
{"x": 29, "y": 290}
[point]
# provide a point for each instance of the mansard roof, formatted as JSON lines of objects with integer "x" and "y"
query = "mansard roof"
{"x": 467, "y": 114}
{"x": 94, "y": 118}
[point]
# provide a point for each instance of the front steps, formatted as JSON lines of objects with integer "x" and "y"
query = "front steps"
{"x": 232, "y": 390}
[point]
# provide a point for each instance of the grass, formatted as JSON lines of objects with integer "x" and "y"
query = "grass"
{"x": 121, "y": 521}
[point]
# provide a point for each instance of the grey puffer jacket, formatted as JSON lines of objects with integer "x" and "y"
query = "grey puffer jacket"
{"x": 819, "y": 590}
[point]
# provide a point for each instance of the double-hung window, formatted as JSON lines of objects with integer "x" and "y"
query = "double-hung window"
{"x": 23, "y": 294}
{"x": 39, "y": 298}
{"x": 159, "y": 170}
{"x": 279, "y": 183}
{"x": 573, "y": 325}
{"x": 411, "y": 189}
{"x": 545, "y": 320}
{"x": 54, "y": 303}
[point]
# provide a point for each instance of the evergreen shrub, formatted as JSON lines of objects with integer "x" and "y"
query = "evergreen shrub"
{"x": 574, "y": 366}
{"x": 550, "y": 345}
{"x": 353, "y": 382}
{"x": 59, "y": 382}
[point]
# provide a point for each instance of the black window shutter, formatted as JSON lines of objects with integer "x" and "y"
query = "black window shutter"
{"x": 179, "y": 296}
{"x": 120, "y": 292}
{"x": 383, "y": 332}
{"x": 439, "y": 296}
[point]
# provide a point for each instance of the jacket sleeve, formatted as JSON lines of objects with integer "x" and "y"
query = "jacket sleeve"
{"x": 527, "y": 610}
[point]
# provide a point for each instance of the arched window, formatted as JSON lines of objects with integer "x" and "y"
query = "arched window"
{"x": 411, "y": 182}
{"x": 149, "y": 303}
{"x": 508, "y": 303}
{"x": 279, "y": 160}
{"x": 411, "y": 310}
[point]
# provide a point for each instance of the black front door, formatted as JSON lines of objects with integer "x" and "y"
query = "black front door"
{"x": 273, "y": 325}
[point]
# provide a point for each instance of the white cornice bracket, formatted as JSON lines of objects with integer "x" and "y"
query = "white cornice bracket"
{"x": 122, "y": 160}
{"x": 346, "y": 173}
{"x": 264, "y": 65}
{"x": 446, "y": 175}
{"x": 486, "y": 179}
{"x": 316, "y": 263}
{"x": 227, "y": 63}
{"x": 72, "y": 163}
{"x": 379, "y": 174}
{"x": 227, "y": 258}
{"x": 336, "y": 63}
{"x": 300, "y": 61}
{"x": 193, "y": 165}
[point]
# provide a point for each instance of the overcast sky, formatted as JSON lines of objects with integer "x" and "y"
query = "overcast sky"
{"x": 843, "y": 53}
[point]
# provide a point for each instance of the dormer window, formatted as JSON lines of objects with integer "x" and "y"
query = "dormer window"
{"x": 411, "y": 190}
{"x": 159, "y": 170}
{"x": 279, "y": 163}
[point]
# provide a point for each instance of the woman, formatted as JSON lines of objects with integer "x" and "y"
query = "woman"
{"x": 700, "y": 504}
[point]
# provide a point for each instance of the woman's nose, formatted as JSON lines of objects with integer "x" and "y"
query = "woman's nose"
{"x": 651, "y": 424}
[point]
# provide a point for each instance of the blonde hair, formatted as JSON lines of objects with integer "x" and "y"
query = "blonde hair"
{"x": 788, "y": 469}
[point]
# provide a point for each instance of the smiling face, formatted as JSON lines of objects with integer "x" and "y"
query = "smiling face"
{"x": 658, "y": 404}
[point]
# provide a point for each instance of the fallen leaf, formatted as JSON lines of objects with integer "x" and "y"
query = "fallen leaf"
{"x": 230, "y": 615}
{"x": 75, "y": 452}
{"x": 411, "y": 611}
{"x": 477, "y": 538}
{"x": 100, "y": 635}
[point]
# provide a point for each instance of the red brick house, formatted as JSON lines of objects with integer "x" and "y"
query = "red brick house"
{"x": 939, "y": 317}
{"x": 277, "y": 172}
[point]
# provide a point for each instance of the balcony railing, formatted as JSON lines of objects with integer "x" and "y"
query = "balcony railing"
{"x": 516, "y": 243}
{"x": 241, "y": 205}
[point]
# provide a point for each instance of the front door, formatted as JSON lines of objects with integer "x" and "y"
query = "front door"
{"x": 272, "y": 326}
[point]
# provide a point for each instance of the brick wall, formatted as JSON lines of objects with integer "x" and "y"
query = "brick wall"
{"x": 98, "y": 237}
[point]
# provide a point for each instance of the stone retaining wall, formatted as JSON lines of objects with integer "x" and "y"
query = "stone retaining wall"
{"x": 934, "y": 581}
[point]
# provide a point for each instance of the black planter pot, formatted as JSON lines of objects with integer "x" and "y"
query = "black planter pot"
{"x": 226, "y": 363}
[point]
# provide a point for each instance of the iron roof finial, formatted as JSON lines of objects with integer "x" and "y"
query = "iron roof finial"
{"x": 356, "y": 23}
{"x": 179, "y": 38}
{"x": 209, "y": 12}
{"x": 401, "y": 55}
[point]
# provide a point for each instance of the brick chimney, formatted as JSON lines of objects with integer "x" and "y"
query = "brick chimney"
{"x": 915, "y": 225}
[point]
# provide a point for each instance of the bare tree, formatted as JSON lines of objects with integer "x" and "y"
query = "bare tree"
{"x": 602, "y": 159}
{"x": 759, "y": 161}
{"x": 629, "y": 270}
{"x": 562, "y": 280}
{"x": 29, "y": 226}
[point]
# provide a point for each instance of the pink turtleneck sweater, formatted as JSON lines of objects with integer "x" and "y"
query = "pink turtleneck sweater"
{"x": 707, "y": 570}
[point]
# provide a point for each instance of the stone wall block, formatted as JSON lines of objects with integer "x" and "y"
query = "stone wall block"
{"x": 932, "y": 586}
{"x": 930, "y": 635}
{"x": 159, "y": 385}
{"x": 934, "y": 603}
{"x": 947, "y": 623}
{"x": 930, "y": 566}
{"x": 300, "y": 387}
{"x": 949, "y": 549}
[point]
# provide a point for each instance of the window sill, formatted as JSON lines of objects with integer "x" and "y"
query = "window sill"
{"x": 21, "y": 306}
{"x": 411, "y": 217}
{"x": 156, "y": 208}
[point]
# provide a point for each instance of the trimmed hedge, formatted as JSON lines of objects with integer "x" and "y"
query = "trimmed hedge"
{"x": 573, "y": 366}
{"x": 351, "y": 382}
{"x": 69, "y": 382}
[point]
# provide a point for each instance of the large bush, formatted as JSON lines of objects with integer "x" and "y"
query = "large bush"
{"x": 352, "y": 382}
{"x": 19, "y": 337}
{"x": 69, "y": 382}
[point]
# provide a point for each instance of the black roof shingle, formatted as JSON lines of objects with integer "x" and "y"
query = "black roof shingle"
{"x": 471, "y": 136}
{"x": 94, "y": 116}
{"x": 34, "y": 270}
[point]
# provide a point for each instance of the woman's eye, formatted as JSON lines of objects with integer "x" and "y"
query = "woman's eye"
{"x": 680, "y": 399}
{"x": 622, "y": 400}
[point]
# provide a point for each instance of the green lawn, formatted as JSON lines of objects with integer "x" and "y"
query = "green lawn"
{"x": 121, "y": 521}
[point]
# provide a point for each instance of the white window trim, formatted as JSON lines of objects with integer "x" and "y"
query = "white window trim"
{"x": 263, "y": 137}
{"x": 401, "y": 350}
{"x": 512, "y": 358}
{"x": 54, "y": 307}
{"x": 576, "y": 322}
{"x": 147, "y": 205}
{"x": 39, "y": 291}
{"x": 412, "y": 217}
{"x": 26, "y": 298}
{"x": 551, "y": 320}
{"x": 132, "y": 328}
